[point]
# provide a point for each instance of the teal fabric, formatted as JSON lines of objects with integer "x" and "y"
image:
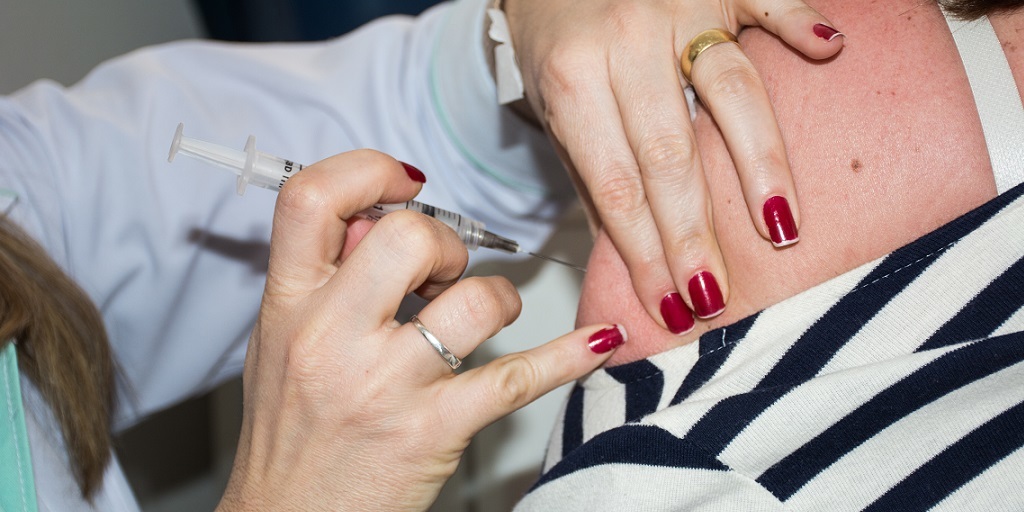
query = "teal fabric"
{"x": 8, "y": 198}
{"x": 17, "y": 487}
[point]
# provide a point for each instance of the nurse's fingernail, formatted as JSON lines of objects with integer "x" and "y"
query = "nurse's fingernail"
{"x": 706, "y": 295}
{"x": 677, "y": 315}
{"x": 414, "y": 173}
{"x": 826, "y": 32}
{"x": 607, "y": 339}
{"x": 779, "y": 219}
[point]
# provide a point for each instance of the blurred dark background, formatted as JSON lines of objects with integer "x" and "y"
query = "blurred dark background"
{"x": 295, "y": 20}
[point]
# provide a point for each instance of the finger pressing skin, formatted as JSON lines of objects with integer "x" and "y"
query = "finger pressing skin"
{"x": 483, "y": 395}
{"x": 673, "y": 179}
{"x": 461, "y": 318}
{"x": 404, "y": 251}
{"x": 588, "y": 125}
{"x": 733, "y": 92}
{"x": 797, "y": 24}
{"x": 309, "y": 218}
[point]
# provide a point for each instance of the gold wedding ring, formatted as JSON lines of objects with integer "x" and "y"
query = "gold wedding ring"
{"x": 702, "y": 42}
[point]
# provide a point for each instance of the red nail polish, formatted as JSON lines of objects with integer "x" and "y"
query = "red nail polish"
{"x": 826, "y": 32}
{"x": 706, "y": 295}
{"x": 677, "y": 315}
{"x": 414, "y": 173}
{"x": 779, "y": 219}
{"x": 606, "y": 339}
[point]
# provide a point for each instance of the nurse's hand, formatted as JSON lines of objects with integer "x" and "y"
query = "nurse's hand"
{"x": 604, "y": 77}
{"x": 347, "y": 409}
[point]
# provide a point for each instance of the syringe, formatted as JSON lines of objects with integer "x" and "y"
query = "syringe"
{"x": 271, "y": 172}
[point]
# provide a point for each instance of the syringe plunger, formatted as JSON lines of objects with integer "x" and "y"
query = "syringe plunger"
{"x": 252, "y": 167}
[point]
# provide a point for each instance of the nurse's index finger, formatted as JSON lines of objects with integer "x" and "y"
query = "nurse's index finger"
{"x": 312, "y": 209}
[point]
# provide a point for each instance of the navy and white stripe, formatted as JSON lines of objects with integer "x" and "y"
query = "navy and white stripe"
{"x": 897, "y": 386}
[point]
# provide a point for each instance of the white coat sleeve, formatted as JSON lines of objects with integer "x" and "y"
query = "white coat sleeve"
{"x": 172, "y": 257}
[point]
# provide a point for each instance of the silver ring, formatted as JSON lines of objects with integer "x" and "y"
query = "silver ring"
{"x": 442, "y": 350}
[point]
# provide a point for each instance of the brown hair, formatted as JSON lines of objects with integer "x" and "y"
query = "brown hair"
{"x": 973, "y": 9}
{"x": 62, "y": 348}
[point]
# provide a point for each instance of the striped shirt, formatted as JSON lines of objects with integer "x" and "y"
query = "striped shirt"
{"x": 896, "y": 386}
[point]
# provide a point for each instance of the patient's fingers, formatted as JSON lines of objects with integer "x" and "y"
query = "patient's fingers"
{"x": 797, "y": 23}
{"x": 733, "y": 92}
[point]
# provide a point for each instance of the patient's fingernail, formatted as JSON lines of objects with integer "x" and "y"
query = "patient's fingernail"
{"x": 607, "y": 339}
{"x": 826, "y": 32}
{"x": 677, "y": 315}
{"x": 779, "y": 219}
{"x": 414, "y": 173}
{"x": 706, "y": 295}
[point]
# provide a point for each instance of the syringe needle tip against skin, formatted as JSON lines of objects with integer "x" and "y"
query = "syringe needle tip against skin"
{"x": 549, "y": 258}
{"x": 500, "y": 243}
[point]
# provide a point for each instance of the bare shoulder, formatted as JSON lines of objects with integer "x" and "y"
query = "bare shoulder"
{"x": 884, "y": 141}
{"x": 885, "y": 145}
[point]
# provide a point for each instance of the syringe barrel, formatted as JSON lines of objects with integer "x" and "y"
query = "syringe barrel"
{"x": 470, "y": 231}
{"x": 271, "y": 172}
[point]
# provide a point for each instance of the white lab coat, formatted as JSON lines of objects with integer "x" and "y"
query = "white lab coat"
{"x": 174, "y": 259}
